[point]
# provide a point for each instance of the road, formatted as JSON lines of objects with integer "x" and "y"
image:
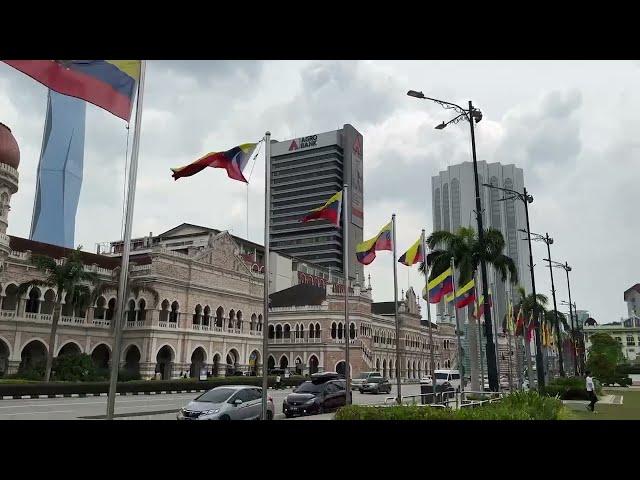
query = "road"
{"x": 142, "y": 407}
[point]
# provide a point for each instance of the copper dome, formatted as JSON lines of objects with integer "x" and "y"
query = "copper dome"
{"x": 9, "y": 151}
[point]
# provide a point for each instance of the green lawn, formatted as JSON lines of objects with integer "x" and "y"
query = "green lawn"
{"x": 629, "y": 410}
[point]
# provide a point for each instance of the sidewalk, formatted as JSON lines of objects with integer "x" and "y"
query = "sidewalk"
{"x": 607, "y": 399}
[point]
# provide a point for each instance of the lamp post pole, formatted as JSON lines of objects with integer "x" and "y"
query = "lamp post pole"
{"x": 471, "y": 115}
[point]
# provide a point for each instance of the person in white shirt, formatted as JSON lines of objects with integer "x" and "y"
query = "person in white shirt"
{"x": 591, "y": 392}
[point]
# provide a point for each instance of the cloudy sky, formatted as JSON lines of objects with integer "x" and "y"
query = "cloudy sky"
{"x": 571, "y": 125}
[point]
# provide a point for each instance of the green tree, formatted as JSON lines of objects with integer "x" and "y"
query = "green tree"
{"x": 68, "y": 277}
{"x": 605, "y": 354}
{"x": 467, "y": 252}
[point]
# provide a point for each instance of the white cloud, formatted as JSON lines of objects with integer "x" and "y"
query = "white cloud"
{"x": 572, "y": 126}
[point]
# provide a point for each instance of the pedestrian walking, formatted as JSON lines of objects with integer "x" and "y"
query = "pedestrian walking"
{"x": 591, "y": 392}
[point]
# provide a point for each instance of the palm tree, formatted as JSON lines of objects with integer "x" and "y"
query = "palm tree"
{"x": 467, "y": 252}
{"x": 526, "y": 302}
{"x": 69, "y": 278}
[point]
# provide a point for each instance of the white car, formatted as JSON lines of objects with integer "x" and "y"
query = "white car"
{"x": 426, "y": 380}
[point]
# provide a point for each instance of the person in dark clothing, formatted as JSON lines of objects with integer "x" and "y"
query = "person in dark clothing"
{"x": 591, "y": 392}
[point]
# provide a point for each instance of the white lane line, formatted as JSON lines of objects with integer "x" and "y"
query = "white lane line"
{"x": 98, "y": 401}
{"x": 35, "y": 413}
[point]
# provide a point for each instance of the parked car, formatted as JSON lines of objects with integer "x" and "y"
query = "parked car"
{"x": 315, "y": 397}
{"x": 363, "y": 378}
{"x": 450, "y": 376}
{"x": 376, "y": 385}
{"x": 426, "y": 380}
{"x": 229, "y": 402}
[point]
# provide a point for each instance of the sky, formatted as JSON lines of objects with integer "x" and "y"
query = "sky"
{"x": 572, "y": 126}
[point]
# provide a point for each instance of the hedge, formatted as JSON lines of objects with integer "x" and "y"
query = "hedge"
{"x": 143, "y": 386}
{"x": 516, "y": 406}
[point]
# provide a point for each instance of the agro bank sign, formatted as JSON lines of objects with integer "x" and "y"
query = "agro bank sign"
{"x": 301, "y": 144}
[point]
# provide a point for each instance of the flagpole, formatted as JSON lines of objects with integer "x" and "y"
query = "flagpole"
{"x": 455, "y": 311}
{"x": 479, "y": 314}
{"x": 395, "y": 301}
{"x": 495, "y": 328}
{"x": 432, "y": 361}
{"x": 527, "y": 349}
{"x": 118, "y": 318}
{"x": 509, "y": 338}
{"x": 265, "y": 323}
{"x": 345, "y": 261}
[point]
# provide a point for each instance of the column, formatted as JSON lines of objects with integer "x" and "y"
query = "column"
{"x": 90, "y": 315}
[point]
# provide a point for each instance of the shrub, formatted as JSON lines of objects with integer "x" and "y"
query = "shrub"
{"x": 134, "y": 386}
{"x": 74, "y": 368}
{"x": 127, "y": 375}
{"x": 516, "y": 406}
{"x": 570, "y": 388}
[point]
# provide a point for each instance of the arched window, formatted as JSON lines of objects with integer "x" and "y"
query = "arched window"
{"x": 197, "y": 314}
{"x": 271, "y": 331}
{"x": 219, "y": 317}
{"x": 260, "y": 322}
{"x": 278, "y": 331}
{"x": 302, "y": 331}
{"x": 173, "y": 316}
{"x": 311, "y": 331}
{"x": 333, "y": 330}
{"x": 297, "y": 331}
{"x": 252, "y": 323}
{"x": 239, "y": 320}
{"x": 142, "y": 312}
{"x": 206, "y": 319}
{"x": 33, "y": 304}
{"x": 287, "y": 331}
{"x": 340, "y": 330}
{"x": 99, "y": 311}
{"x": 164, "y": 312}
{"x": 232, "y": 318}
{"x": 131, "y": 311}
{"x": 111, "y": 308}
{"x": 352, "y": 331}
{"x": 317, "y": 330}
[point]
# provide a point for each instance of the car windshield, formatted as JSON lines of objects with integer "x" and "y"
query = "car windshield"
{"x": 309, "y": 387}
{"x": 375, "y": 380}
{"x": 442, "y": 376}
{"x": 216, "y": 395}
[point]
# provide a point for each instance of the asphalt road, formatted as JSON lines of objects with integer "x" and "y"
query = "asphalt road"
{"x": 142, "y": 407}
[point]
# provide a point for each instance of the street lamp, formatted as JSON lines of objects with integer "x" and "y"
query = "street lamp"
{"x": 470, "y": 115}
{"x": 548, "y": 240}
{"x": 565, "y": 266}
{"x": 527, "y": 199}
{"x": 574, "y": 340}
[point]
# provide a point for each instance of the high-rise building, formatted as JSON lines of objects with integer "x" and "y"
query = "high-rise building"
{"x": 453, "y": 193}
{"x": 305, "y": 172}
{"x": 59, "y": 172}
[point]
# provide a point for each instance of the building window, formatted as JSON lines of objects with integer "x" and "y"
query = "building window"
{"x": 631, "y": 341}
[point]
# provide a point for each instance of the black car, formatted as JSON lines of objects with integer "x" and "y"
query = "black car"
{"x": 376, "y": 385}
{"x": 314, "y": 397}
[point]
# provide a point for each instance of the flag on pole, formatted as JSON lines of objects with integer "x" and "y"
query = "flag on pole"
{"x": 464, "y": 295}
{"x": 108, "y": 84}
{"x": 510, "y": 325}
{"x": 520, "y": 323}
{"x": 413, "y": 255}
{"x": 366, "y": 251}
{"x": 439, "y": 286}
{"x": 530, "y": 327}
{"x": 329, "y": 211}
{"x": 481, "y": 305}
{"x": 233, "y": 161}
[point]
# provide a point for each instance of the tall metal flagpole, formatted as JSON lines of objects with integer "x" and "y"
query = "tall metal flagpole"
{"x": 432, "y": 361}
{"x": 118, "y": 318}
{"x": 455, "y": 311}
{"x": 395, "y": 301}
{"x": 345, "y": 262}
{"x": 265, "y": 323}
{"x": 495, "y": 329}
{"x": 480, "y": 331}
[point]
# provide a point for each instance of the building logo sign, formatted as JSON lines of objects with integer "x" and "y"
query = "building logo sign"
{"x": 305, "y": 142}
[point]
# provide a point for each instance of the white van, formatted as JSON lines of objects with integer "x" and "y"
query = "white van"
{"x": 451, "y": 376}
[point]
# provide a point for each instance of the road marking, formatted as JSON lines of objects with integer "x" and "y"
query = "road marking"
{"x": 36, "y": 413}
{"x": 98, "y": 401}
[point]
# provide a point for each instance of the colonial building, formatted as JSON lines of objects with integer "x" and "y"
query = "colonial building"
{"x": 198, "y": 306}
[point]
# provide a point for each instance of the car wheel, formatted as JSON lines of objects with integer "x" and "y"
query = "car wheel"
{"x": 362, "y": 392}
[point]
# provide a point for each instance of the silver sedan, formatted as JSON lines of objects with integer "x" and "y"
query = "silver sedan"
{"x": 228, "y": 402}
